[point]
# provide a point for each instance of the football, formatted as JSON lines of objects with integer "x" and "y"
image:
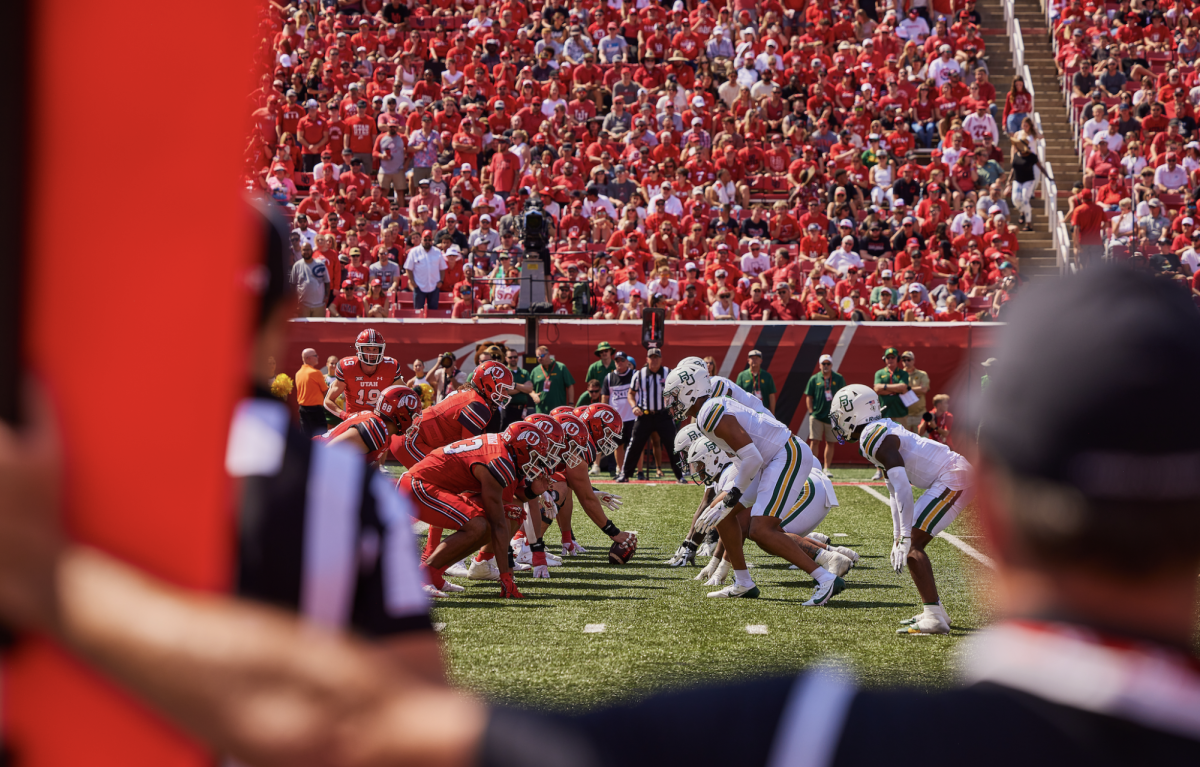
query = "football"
{"x": 620, "y": 553}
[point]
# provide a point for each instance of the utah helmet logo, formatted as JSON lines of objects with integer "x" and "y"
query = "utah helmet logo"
{"x": 606, "y": 416}
{"x": 495, "y": 371}
{"x": 532, "y": 436}
{"x": 570, "y": 428}
{"x": 687, "y": 377}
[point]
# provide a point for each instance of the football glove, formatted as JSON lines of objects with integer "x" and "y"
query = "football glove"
{"x": 900, "y": 551}
{"x": 684, "y": 555}
{"x": 609, "y": 501}
{"x": 541, "y": 571}
{"x": 549, "y": 507}
{"x": 708, "y": 570}
{"x": 571, "y": 548}
{"x": 713, "y": 515}
{"x": 508, "y": 589}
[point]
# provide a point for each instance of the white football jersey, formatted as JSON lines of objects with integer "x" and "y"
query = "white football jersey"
{"x": 766, "y": 434}
{"x": 723, "y": 387}
{"x": 925, "y": 461}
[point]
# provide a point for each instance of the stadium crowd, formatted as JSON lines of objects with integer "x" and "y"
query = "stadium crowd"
{"x": 1129, "y": 75}
{"x": 783, "y": 161}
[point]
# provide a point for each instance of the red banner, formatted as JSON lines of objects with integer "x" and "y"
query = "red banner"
{"x": 949, "y": 352}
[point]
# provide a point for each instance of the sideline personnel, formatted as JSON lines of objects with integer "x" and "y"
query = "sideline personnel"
{"x": 310, "y": 394}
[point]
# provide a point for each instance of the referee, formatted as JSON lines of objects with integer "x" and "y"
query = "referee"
{"x": 650, "y": 417}
{"x": 319, "y": 533}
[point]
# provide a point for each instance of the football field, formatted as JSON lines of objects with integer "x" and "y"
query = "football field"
{"x": 598, "y": 633}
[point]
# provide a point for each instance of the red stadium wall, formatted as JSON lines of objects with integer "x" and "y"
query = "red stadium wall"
{"x": 950, "y": 353}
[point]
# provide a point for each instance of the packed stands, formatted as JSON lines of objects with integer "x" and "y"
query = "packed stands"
{"x": 1130, "y": 84}
{"x": 798, "y": 161}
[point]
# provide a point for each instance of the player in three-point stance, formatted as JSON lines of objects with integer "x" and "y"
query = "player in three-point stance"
{"x": 595, "y": 431}
{"x": 772, "y": 466}
{"x": 721, "y": 387}
{"x": 908, "y": 461}
{"x": 462, "y": 414}
{"x": 363, "y": 377}
{"x": 477, "y": 487}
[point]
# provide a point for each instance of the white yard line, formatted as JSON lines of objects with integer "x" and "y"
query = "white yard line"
{"x": 756, "y": 628}
{"x": 953, "y": 540}
{"x": 439, "y": 626}
{"x": 594, "y": 628}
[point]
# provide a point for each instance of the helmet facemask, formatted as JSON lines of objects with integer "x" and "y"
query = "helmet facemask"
{"x": 368, "y": 357}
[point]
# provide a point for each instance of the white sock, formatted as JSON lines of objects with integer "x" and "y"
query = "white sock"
{"x": 742, "y": 578}
{"x": 934, "y": 610}
{"x": 822, "y": 575}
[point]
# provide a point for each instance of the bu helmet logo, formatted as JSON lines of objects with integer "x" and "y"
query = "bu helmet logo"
{"x": 846, "y": 402}
{"x": 687, "y": 377}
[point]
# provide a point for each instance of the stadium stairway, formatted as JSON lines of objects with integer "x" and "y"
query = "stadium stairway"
{"x": 1037, "y": 257}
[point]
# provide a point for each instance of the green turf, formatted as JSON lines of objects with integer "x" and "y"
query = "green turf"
{"x": 661, "y": 631}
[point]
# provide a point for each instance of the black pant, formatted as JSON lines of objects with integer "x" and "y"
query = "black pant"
{"x": 512, "y": 414}
{"x": 650, "y": 423}
{"x": 312, "y": 420}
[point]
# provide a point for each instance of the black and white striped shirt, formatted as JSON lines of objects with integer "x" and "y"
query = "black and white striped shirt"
{"x": 647, "y": 388}
{"x": 320, "y": 533}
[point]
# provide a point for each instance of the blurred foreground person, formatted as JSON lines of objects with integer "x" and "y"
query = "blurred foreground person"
{"x": 1090, "y": 665}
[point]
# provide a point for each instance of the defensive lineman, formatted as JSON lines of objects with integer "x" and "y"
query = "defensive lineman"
{"x": 713, "y": 467}
{"x": 908, "y": 461}
{"x": 769, "y": 460}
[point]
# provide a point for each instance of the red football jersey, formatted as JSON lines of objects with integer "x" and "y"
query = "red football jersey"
{"x": 450, "y": 467}
{"x": 362, "y": 390}
{"x": 460, "y": 415}
{"x": 369, "y": 426}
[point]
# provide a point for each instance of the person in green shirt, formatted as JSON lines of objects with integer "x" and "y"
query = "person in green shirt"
{"x": 819, "y": 395}
{"x": 552, "y": 382}
{"x": 600, "y": 369}
{"x": 591, "y": 396}
{"x": 890, "y": 383}
{"x": 758, "y": 381}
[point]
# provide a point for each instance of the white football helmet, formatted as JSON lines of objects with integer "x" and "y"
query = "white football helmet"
{"x": 691, "y": 362}
{"x": 684, "y": 438}
{"x": 706, "y": 461}
{"x": 683, "y": 387}
{"x": 853, "y": 406}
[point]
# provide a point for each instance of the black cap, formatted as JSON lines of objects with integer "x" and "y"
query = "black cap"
{"x": 1121, "y": 338}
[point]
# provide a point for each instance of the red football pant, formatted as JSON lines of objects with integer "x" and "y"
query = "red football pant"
{"x": 439, "y": 507}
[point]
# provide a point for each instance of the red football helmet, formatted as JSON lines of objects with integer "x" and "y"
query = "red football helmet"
{"x": 580, "y": 412}
{"x": 528, "y": 447}
{"x": 494, "y": 382}
{"x": 577, "y": 437}
{"x": 370, "y": 346}
{"x": 398, "y": 404}
{"x": 604, "y": 423}
{"x": 557, "y": 441}
{"x": 562, "y": 409}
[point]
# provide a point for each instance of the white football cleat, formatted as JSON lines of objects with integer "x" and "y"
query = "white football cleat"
{"x": 458, "y": 570}
{"x": 484, "y": 571}
{"x": 834, "y": 562}
{"x": 521, "y": 552}
{"x": 434, "y": 592}
{"x": 520, "y": 567}
{"x": 932, "y": 621}
{"x": 572, "y": 548}
{"x": 734, "y": 590}
{"x": 825, "y": 591}
{"x": 912, "y": 620}
{"x": 818, "y": 537}
{"x": 850, "y": 554}
{"x": 452, "y": 588}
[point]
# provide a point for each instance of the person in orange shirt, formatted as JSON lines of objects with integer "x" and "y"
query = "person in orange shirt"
{"x": 310, "y": 394}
